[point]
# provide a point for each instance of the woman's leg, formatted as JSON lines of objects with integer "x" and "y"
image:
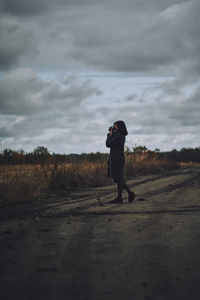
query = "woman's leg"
{"x": 122, "y": 185}
{"x": 119, "y": 194}
{"x": 125, "y": 186}
{"x": 131, "y": 195}
{"x": 119, "y": 190}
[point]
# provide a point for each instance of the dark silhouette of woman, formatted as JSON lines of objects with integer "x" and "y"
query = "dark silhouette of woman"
{"x": 115, "y": 141}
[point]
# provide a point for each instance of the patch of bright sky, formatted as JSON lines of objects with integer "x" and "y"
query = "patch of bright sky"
{"x": 115, "y": 87}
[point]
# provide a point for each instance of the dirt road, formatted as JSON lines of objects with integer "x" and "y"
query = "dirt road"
{"x": 86, "y": 248}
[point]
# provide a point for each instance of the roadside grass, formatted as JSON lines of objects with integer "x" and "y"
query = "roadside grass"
{"x": 28, "y": 182}
{"x": 147, "y": 163}
{"x": 189, "y": 164}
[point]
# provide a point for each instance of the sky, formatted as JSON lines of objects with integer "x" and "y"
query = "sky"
{"x": 70, "y": 68}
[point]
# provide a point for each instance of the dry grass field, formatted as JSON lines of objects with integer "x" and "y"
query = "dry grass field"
{"x": 25, "y": 182}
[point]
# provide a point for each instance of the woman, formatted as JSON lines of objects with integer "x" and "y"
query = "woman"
{"x": 115, "y": 141}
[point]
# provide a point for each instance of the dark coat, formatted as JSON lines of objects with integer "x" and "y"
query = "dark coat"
{"x": 116, "y": 159}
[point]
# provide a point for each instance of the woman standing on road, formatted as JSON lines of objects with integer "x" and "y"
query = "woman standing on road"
{"x": 115, "y": 141}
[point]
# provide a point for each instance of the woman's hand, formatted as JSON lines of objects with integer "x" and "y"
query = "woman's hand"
{"x": 110, "y": 131}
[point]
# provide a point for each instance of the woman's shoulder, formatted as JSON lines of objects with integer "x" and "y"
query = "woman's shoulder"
{"x": 120, "y": 136}
{"x": 117, "y": 133}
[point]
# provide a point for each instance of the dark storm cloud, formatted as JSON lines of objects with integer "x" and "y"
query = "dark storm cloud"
{"x": 151, "y": 37}
{"x": 110, "y": 35}
{"x": 38, "y": 112}
{"x": 23, "y": 7}
{"x": 5, "y": 132}
{"x": 29, "y": 8}
{"x": 34, "y": 111}
{"x": 16, "y": 42}
{"x": 129, "y": 40}
{"x": 60, "y": 131}
{"x": 22, "y": 92}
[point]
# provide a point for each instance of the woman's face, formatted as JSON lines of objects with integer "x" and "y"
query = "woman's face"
{"x": 116, "y": 127}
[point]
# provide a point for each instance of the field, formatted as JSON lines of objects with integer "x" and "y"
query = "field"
{"x": 25, "y": 182}
{"x": 85, "y": 247}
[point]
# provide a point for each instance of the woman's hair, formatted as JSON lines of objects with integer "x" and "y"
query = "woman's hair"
{"x": 121, "y": 127}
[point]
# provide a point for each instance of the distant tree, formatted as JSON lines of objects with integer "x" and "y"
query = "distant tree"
{"x": 41, "y": 154}
{"x": 18, "y": 157}
{"x": 40, "y": 150}
{"x": 140, "y": 149}
{"x": 95, "y": 157}
{"x": 7, "y": 156}
{"x": 157, "y": 150}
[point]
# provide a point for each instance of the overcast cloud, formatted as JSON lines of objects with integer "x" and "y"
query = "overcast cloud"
{"x": 70, "y": 68}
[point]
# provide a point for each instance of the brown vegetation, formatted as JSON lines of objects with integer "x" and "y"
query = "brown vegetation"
{"x": 22, "y": 182}
{"x": 147, "y": 163}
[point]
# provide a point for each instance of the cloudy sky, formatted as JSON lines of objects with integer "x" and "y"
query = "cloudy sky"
{"x": 70, "y": 68}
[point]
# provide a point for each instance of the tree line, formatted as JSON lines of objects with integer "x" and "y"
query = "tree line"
{"x": 41, "y": 155}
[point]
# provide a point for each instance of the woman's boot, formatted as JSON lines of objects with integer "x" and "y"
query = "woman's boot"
{"x": 119, "y": 196}
{"x": 131, "y": 195}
